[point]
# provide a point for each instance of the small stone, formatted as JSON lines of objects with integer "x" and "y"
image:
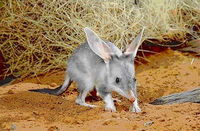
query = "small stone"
{"x": 53, "y": 128}
{"x": 36, "y": 113}
{"x": 134, "y": 127}
{"x": 110, "y": 122}
{"x": 10, "y": 92}
{"x": 77, "y": 122}
{"x": 53, "y": 84}
{"x": 114, "y": 115}
{"x": 149, "y": 123}
{"x": 143, "y": 113}
{"x": 162, "y": 120}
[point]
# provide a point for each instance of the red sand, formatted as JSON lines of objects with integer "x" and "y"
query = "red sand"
{"x": 167, "y": 72}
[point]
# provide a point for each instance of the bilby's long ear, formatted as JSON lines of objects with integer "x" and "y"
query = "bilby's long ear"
{"x": 133, "y": 47}
{"x": 115, "y": 50}
{"x": 97, "y": 45}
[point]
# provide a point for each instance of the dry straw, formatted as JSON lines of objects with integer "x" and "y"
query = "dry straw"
{"x": 37, "y": 36}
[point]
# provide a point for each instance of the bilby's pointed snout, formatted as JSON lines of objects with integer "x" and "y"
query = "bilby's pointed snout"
{"x": 132, "y": 99}
{"x": 131, "y": 96}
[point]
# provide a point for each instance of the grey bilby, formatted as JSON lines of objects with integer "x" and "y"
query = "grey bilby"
{"x": 101, "y": 65}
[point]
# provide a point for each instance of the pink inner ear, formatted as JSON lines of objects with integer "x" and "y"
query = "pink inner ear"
{"x": 105, "y": 51}
{"x": 133, "y": 47}
{"x": 98, "y": 46}
{"x": 130, "y": 49}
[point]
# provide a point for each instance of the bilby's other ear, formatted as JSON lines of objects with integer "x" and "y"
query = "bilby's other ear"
{"x": 97, "y": 45}
{"x": 133, "y": 47}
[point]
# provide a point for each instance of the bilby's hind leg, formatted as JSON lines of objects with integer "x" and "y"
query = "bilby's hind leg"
{"x": 83, "y": 89}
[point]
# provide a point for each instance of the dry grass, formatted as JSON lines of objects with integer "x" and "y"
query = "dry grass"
{"x": 38, "y": 35}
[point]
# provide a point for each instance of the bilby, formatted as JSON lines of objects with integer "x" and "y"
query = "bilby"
{"x": 101, "y": 65}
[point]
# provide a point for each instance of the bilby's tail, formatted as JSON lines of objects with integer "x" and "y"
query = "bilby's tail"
{"x": 57, "y": 91}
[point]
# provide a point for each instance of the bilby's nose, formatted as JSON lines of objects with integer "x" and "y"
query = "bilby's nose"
{"x": 132, "y": 99}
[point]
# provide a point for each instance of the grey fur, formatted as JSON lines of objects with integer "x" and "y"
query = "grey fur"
{"x": 101, "y": 65}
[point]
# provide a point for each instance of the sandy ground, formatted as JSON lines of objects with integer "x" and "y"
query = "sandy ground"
{"x": 166, "y": 73}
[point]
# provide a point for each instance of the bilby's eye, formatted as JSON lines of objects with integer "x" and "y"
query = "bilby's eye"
{"x": 134, "y": 79}
{"x": 117, "y": 80}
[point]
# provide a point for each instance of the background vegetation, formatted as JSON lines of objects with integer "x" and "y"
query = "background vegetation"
{"x": 38, "y": 35}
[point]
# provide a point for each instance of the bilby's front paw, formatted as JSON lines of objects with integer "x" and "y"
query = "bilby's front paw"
{"x": 110, "y": 109}
{"x": 135, "y": 109}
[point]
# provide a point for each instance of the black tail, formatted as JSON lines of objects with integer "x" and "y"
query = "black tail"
{"x": 57, "y": 91}
{"x": 48, "y": 91}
